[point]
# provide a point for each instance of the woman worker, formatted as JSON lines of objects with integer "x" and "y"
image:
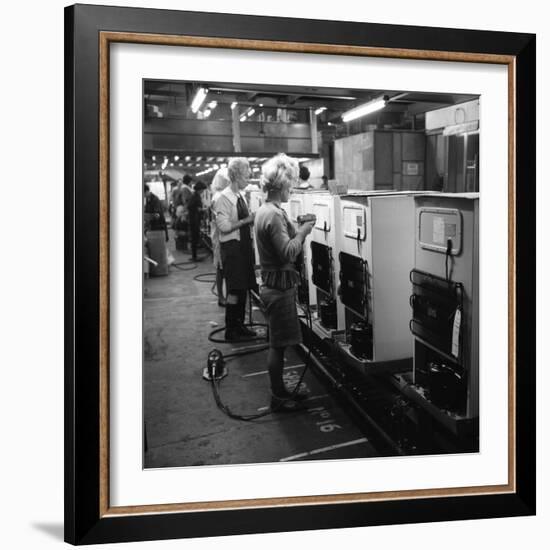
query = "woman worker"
{"x": 279, "y": 244}
{"x": 194, "y": 208}
{"x": 237, "y": 254}
{"x": 219, "y": 183}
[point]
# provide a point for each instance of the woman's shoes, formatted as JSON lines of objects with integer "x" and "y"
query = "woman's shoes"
{"x": 243, "y": 331}
{"x": 298, "y": 393}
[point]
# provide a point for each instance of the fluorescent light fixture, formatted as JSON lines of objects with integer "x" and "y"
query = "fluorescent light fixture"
{"x": 320, "y": 110}
{"x": 176, "y": 158}
{"x": 206, "y": 113}
{"x": 251, "y": 112}
{"x": 154, "y": 158}
{"x": 187, "y": 159}
{"x": 365, "y": 109}
{"x": 200, "y": 96}
{"x": 234, "y": 104}
{"x": 243, "y": 118}
{"x": 164, "y": 164}
{"x": 212, "y": 105}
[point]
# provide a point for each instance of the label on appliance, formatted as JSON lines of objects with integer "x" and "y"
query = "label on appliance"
{"x": 456, "y": 333}
{"x": 411, "y": 169}
{"x": 438, "y": 236}
{"x": 322, "y": 213}
{"x": 450, "y": 230}
{"x": 354, "y": 222}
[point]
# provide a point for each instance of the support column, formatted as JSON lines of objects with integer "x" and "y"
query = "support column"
{"x": 313, "y": 127}
{"x": 236, "y": 127}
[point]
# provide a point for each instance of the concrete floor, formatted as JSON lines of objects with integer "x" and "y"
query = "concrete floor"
{"x": 183, "y": 425}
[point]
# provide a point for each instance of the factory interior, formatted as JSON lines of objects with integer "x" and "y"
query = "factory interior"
{"x": 386, "y": 290}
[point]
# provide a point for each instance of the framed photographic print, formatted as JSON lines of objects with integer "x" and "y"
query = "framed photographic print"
{"x": 299, "y": 274}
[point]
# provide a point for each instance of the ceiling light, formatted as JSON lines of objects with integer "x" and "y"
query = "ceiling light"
{"x": 251, "y": 112}
{"x": 154, "y": 158}
{"x": 198, "y": 99}
{"x": 261, "y": 104}
{"x": 365, "y": 109}
{"x": 176, "y": 158}
{"x": 187, "y": 159}
{"x": 206, "y": 113}
{"x": 243, "y": 118}
{"x": 320, "y": 110}
{"x": 212, "y": 105}
{"x": 234, "y": 104}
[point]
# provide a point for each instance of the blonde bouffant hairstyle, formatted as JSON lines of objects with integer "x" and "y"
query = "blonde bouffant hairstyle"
{"x": 278, "y": 172}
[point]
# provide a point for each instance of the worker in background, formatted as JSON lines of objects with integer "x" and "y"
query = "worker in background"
{"x": 181, "y": 228}
{"x": 219, "y": 183}
{"x": 154, "y": 214}
{"x": 303, "y": 182}
{"x": 234, "y": 225}
{"x": 279, "y": 244}
{"x": 195, "y": 210}
{"x": 183, "y": 192}
{"x": 171, "y": 206}
{"x": 156, "y": 233}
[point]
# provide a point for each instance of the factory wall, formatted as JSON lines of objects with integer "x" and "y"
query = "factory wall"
{"x": 381, "y": 160}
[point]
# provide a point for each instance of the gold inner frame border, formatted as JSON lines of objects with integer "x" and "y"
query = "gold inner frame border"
{"x": 105, "y": 40}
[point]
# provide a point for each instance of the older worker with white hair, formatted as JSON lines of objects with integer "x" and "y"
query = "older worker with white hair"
{"x": 279, "y": 244}
{"x": 219, "y": 183}
{"x": 237, "y": 254}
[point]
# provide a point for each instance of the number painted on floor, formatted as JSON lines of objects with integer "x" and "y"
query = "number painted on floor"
{"x": 326, "y": 424}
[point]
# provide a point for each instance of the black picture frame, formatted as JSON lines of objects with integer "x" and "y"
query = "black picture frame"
{"x": 86, "y": 520}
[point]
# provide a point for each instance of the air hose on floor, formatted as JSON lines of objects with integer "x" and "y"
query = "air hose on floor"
{"x": 215, "y": 370}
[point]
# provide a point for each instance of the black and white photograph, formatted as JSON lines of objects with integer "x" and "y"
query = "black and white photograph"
{"x": 286, "y": 308}
{"x": 310, "y": 273}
